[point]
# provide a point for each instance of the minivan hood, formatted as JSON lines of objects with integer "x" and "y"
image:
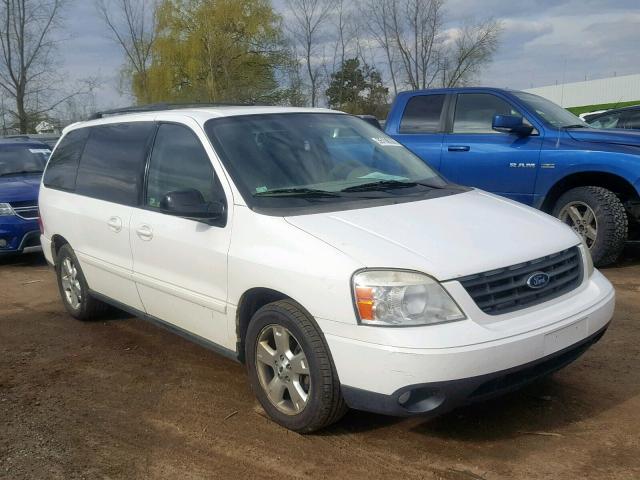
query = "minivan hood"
{"x": 446, "y": 237}
{"x": 19, "y": 188}
{"x": 614, "y": 136}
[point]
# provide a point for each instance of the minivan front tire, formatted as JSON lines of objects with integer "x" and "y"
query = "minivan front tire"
{"x": 73, "y": 287}
{"x": 290, "y": 368}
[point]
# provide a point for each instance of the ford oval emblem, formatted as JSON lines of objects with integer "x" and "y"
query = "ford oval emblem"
{"x": 538, "y": 280}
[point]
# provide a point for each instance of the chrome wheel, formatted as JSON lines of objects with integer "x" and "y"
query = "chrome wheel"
{"x": 282, "y": 369}
{"x": 582, "y": 219}
{"x": 71, "y": 283}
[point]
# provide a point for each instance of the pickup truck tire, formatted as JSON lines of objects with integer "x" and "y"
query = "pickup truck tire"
{"x": 73, "y": 287}
{"x": 610, "y": 218}
{"x": 274, "y": 371}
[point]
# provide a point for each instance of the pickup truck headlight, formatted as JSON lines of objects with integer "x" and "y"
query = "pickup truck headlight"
{"x": 397, "y": 298}
{"x": 6, "y": 210}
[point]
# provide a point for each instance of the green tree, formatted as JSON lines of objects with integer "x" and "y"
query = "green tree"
{"x": 216, "y": 51}
{"x": 357, "y": 89}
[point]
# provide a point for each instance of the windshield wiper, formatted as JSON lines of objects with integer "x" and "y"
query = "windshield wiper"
{"x": 296, "y": 192}
{"x": 385, "y": 185}
{"x": 577, "y": 125}
{"x": 20, "y": 172}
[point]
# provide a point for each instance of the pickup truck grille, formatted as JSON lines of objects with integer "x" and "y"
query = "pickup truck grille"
{"x": 505, "y": 290}
{"x": 26, "y": 210}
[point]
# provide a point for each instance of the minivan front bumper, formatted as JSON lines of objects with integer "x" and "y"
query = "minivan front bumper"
{"x": 402, "y": 381}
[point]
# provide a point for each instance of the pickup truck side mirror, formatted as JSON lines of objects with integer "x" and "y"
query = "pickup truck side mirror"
{"x": 191, "y": 204}
{"x": 511, "y": 124}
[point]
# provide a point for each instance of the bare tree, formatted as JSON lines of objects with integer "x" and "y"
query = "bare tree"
{"x": 27, "y": 45}
{"x": 420, "y": 52}
{"x": 376, "y": 19}
{"x": 308, "y": 19}
{"x": 472, "y": 48}
{"x": 132, "y": 26}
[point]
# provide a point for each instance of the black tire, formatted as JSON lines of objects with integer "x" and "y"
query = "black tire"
{"x": 325, "y": 404}
{"x": 88, "y": 308}
{"x": 611, "y": 219}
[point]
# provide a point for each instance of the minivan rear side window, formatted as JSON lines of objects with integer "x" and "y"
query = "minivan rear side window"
{"x": 422, "y": 114}
{"x": 112, "y": 163}
{"x": 63, "y": 166}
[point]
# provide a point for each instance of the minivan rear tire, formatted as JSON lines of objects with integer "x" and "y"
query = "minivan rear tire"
{"x": 611, "y": 219}
{"x": 324, "y": 402}
{"x": 87, "y": 307}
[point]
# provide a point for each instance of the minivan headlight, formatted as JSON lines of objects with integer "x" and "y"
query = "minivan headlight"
{"x": 6, "y": 210}
{"x": 401, "y": 298}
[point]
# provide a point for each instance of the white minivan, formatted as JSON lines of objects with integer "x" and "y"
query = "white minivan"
{"x": 307, "y": 244}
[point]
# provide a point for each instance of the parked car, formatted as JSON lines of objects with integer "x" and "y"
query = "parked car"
{"x": 21, "y": 165}
{"x": 627, "y": 118}
{"x": 338, "y": 266}
{"x": 526, "y": 148}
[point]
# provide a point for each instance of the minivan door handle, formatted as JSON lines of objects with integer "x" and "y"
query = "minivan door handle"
{"x": 458, "y": 148}
{"x": 115, "y": 224}
{"x": 144, "y": 232}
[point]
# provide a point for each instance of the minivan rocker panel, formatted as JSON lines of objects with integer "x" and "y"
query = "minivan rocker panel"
{"x": 342, "y": 270}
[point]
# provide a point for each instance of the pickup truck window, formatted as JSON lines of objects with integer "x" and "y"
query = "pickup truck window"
{"x": 553, "y": 114}
{"x": 422, "y": 114}
{"x": 475, "y": 112}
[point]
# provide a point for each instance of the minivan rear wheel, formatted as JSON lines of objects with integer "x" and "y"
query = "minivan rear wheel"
{"x": 599, "y": 217}
{"x": 73, "y": 287}
{"x": 290, "y": 368}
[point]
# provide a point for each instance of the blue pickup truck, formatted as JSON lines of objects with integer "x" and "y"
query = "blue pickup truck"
{"x": 22, "y": 162}
{"x": 529, "y": 149}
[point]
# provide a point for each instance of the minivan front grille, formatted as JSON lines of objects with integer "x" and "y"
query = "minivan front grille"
{"x": 506, "y": 290}
{"x": 26, "y": 210}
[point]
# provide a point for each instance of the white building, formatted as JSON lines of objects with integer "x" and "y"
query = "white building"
{"x": 592, "y": 92}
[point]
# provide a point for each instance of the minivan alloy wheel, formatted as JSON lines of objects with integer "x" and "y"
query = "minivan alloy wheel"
{"x": 282, "y": 369}
{"x": 71, "y": 283}
{"x": 582, "y": 219}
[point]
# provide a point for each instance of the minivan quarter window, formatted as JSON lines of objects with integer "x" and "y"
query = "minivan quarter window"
{"x": 422, "y": 114}
{"x": 63, "y": 166}
{"x": 112, "y": 163}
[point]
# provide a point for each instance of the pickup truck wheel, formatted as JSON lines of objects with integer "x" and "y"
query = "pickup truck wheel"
{"x": 290, "y": 368}
{"x": 73, "y": 287}
{"x": 599, "y": 217}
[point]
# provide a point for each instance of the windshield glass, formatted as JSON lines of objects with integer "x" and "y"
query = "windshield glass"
{"x": 18, "y": 159}
{"x": 550, "y": 112}
{"x": 316, "y": 155}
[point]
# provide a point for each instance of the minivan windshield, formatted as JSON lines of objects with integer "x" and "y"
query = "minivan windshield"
{"x": 550, "y": 112}
{"x": 22, "y": 159}
{"x": 316, "y": 156}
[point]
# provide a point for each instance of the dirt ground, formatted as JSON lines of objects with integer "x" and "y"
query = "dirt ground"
{"x": 122, "y": 398}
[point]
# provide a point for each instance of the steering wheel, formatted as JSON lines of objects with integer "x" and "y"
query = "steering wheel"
{"x": 348, "y": 170}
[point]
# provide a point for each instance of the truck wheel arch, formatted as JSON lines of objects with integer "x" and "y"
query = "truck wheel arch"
{"x": 617, "y": 184}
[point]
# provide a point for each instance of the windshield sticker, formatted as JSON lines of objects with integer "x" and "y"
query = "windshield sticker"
{"x": 383, "y": 176}
{"x": 261, "y": 189}
{"x": 385, "y": 142}
{"x": 44, "y": 151}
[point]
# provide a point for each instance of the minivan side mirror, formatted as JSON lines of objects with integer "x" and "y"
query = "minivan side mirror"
{"x": 510, "y": 124}
{"x": 191, "y": 204}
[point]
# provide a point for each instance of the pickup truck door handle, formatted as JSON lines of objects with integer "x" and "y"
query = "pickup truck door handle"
{"x": 144, "y": 232}
{"x": 458, "y": 148}
{"x": 115, "y": 224}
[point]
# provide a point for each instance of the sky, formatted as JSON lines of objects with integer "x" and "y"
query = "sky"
{"x": 543, "y": 42}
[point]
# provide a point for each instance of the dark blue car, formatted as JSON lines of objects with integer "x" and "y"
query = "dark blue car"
{"x": 21, "y": 165}
{"x": 529, "y": 149}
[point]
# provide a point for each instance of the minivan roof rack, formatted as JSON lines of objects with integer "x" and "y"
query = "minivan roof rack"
{"x": 155, "y": 107}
